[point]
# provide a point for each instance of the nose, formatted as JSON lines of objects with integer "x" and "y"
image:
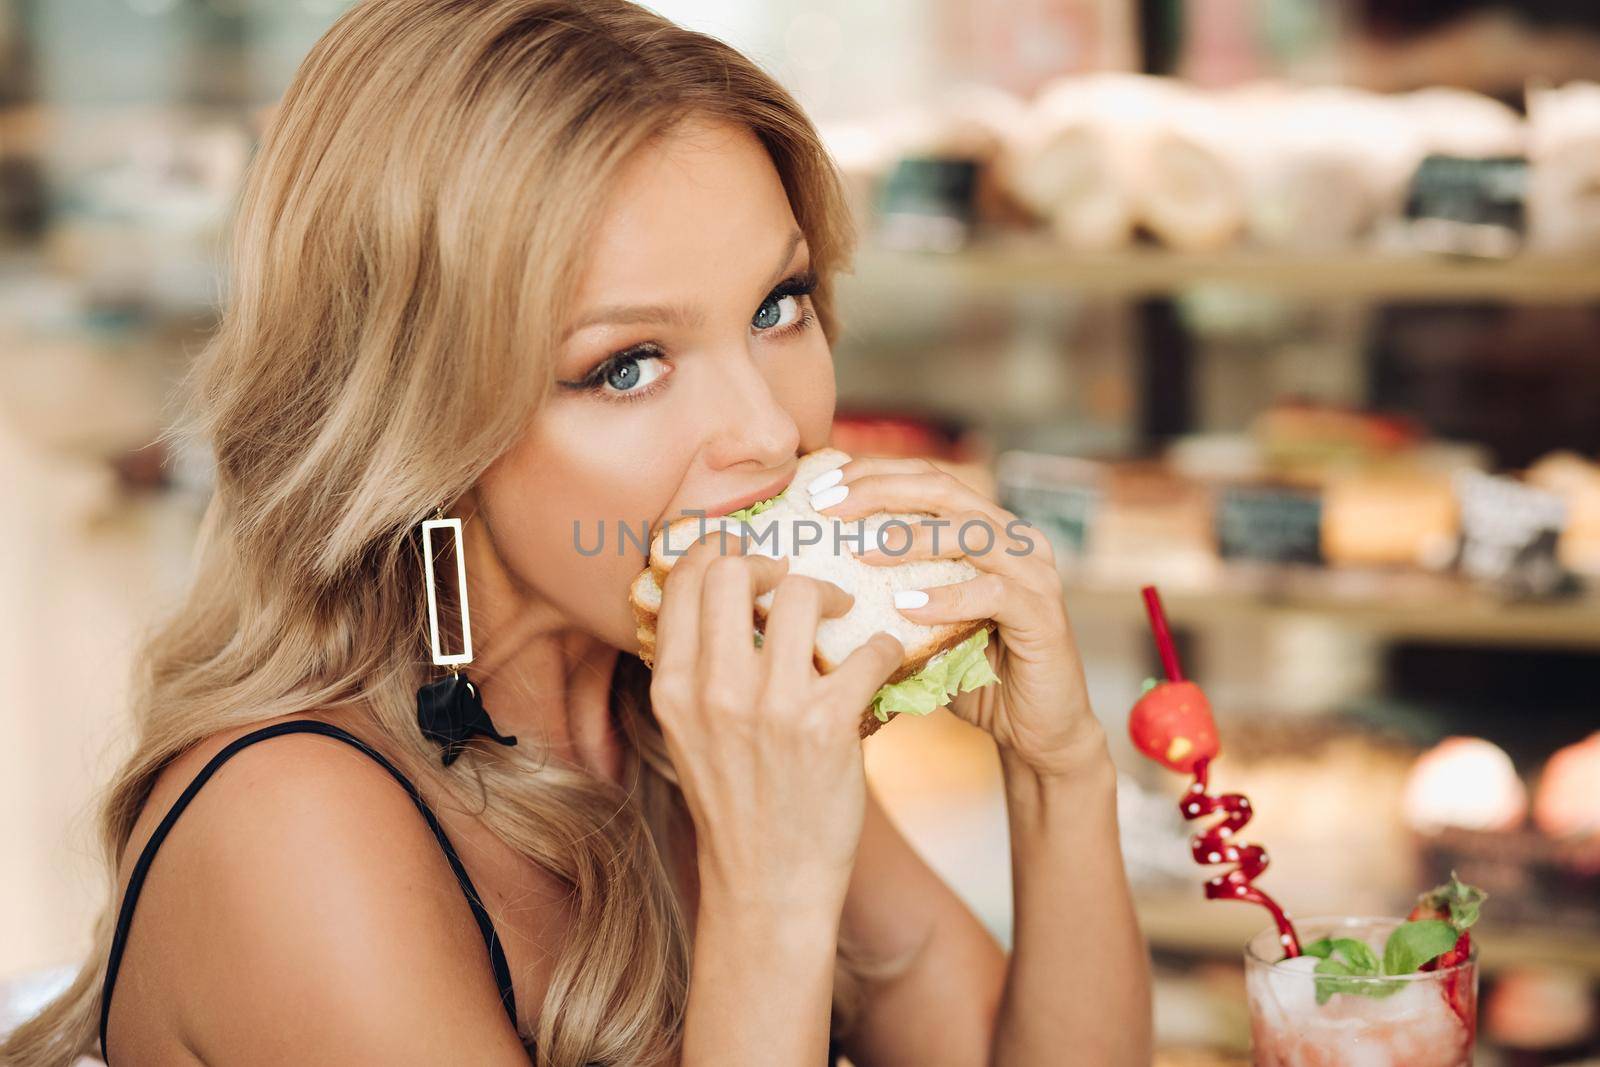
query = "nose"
{"x": 749, "y": 425}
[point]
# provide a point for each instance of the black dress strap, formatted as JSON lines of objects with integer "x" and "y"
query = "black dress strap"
{"x": 497, "y": 957}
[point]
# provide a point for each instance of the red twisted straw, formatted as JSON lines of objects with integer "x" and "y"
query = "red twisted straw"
{"x": 1215, "y": 844}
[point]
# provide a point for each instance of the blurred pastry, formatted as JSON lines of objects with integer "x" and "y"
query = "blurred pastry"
{"x": 1075, "y": 161}
{"x": 1464, "y": 782}
{"x": 1567, "y": 800}
{"x": 1564, "y": 147}
{"x": 1577, "y": 482}
{"x": 1539, "y": 1008}
{"x": 1390, "y": 520}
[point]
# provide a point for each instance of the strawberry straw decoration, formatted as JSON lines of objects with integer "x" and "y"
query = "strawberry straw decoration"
{"x": 1172, "y": 724}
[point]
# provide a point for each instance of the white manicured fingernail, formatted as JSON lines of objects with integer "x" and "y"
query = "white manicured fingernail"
{"x": 823, "y": 481}
{"x": 910, "y": 598}
{"x": 829, "y": 497}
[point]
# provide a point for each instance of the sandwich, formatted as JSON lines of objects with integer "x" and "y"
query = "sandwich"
{"x": 940, "y": 660}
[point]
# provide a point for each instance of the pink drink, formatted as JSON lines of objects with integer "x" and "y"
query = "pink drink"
{"x": 1423, "y": 1019}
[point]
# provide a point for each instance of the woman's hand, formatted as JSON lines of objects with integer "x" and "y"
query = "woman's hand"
{"x": 1039, "y": 711}
{"x": 766, "y": 749}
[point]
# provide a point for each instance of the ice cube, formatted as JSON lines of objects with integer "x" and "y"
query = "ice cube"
{"x": 1416, "y": 1025}
{"x": 1285, "y": 992}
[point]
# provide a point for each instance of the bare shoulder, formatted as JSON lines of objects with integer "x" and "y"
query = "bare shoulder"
{"x": 301, "y": 910}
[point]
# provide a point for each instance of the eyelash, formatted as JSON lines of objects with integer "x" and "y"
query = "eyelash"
{"x": 797, "y": 285}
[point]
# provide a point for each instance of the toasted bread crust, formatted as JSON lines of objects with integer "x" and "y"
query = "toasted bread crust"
{"x": 643, "y": 614}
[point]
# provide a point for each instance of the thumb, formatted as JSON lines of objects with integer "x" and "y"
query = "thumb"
{"x": 864, "y": 672}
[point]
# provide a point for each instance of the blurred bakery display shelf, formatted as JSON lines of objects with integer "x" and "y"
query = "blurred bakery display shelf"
{"x": 1011, "y": 262}
{"x": 1423, "y": 607}
{"x": 1187, "y": 923}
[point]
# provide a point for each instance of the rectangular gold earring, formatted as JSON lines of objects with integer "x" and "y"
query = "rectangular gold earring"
{"x": 454, "y": 526}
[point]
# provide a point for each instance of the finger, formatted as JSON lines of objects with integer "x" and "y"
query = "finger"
{"x": 861, "y": 465}
{"x": 727, "y": 596}
{"x": 935, "y": 536}
{"x": 789, "y": 639}
{"x": 923, "y": 487}
{"x": 727, "y": 662}
{"x": 678, "y": 621}
{"x": 729, "y": 589}
{"x": 1022, "y": 613}
{"x": 971, "y": 535}
{"x": 920, "y": 486}
{"x": 853, "y": 683}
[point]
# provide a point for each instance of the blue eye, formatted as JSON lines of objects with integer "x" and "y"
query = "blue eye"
{"x": 627, "y": 375}
{"x": 626, "y": 372}
{"x": 781, "y": 309}
{"x": 776, "y": 311}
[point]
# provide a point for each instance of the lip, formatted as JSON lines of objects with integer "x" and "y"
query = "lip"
{"x": 745, "y": 501}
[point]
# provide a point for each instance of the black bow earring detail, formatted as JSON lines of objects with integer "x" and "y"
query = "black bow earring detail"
{"x": 449, "y": 710}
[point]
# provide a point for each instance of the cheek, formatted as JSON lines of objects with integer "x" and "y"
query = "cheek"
{"x": 578, "y": 478}
{"x": 803, "y": 383}
{"x": 583, "y": 463}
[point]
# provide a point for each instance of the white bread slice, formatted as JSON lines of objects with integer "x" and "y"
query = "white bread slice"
{"x": 781, "y": 527}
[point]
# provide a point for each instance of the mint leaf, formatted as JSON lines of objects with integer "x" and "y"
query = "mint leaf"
{"x": 1464, "y": 902}
{"x": 1464, "y": 913}
{"x": 1361, "y": 958}
{"x": 1335, "y": 977}
{"x": 1461, "y": 902}
{"x": 1345, "y": 967}
{"x": 1414, "y": 943}
{"x": 1321, "y": 948}
{"x": 1356, "y": 954}
{"x": 1363, "y": 986}
{"x": 1327, "y": 986}
{"x": 1358, "y": 960}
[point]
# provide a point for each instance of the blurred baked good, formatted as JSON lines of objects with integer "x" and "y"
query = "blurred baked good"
{"x": 1577, "y": 482}
{"x": 1567, "y": 800}
{"x": 1539, "y": 1008}
{"x": 1390, "y": 519}
{"x": 1465, "y": 782}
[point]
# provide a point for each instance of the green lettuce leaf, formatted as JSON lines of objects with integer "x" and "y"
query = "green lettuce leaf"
{"x": 964, "y": 667}
{"x": 743, "y": 514}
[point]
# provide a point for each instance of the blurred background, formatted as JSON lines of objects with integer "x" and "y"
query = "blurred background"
{"x": 1291, "y": 306}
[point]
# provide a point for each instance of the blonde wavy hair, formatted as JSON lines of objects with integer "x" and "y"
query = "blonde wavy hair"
{"x": 409, "y": 235}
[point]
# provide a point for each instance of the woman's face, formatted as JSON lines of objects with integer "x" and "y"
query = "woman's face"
{"x": 694, "y": 374}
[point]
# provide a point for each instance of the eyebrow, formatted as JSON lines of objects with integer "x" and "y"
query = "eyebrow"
{"x": 669, "y": 314}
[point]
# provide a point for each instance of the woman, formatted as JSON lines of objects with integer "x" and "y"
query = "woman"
{"x": 542, "y": 265}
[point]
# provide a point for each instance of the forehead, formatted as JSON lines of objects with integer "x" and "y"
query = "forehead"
{"x": 700, "y": 204}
